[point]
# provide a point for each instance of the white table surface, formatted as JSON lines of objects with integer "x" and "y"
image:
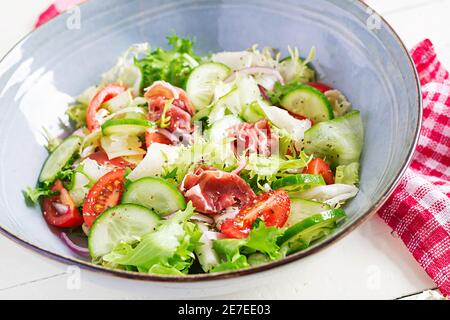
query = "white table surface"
{"x": 369, "y": 263}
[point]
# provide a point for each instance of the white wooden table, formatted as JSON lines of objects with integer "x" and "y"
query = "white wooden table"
{"x": 369, "y": 263}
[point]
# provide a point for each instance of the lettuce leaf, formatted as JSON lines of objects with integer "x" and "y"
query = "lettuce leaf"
{"x": 125, "y": 70}
{"x": 77, "y": 114}
{"x": 261, "y": 170}
{"x": 217, "y": 154}
{"x": 234, "y": 252}
{"x": 32, "y": 195}
{"x": 52, "y": 141}
{"x": 173, "y": 66}
{"x": 279, "y": 91}
{"x": 348, "y": 174}
{"x": 167, "y": 250}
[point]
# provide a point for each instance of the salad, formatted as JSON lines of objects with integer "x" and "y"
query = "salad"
{"x": 180, "y": 163}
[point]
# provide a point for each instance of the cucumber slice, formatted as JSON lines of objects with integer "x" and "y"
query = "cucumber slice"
{"x": 339, "y": 140}
{"x": 156, "y": 194}
{"x": 59, "y": 158}
{"x": 302, "y": 234}
{"x": 200, "y": 84}
{"x": 119, "y": 224}
{"x": 302, "y": 209}
{"x": 298, "y": 182}
{"x": 218, "y": 130}
{"x": 126, "y": 126}
{"x": 309, "y": 102}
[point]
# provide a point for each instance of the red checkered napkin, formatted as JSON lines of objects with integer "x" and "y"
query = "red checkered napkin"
{"x": 419, "y": 209}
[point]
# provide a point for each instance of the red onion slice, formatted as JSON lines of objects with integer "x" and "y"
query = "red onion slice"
{"x": 263, "y": 92}
{"x": 202, "y": 218}
{"x": 84, "y": 252}
{"x": 61, "y": 208}
{"x": 212, "y": 235}
{"x": 257, "y": 70}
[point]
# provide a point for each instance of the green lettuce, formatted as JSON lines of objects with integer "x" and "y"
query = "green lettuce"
{"x": 173, "y": 66}
{"x": 216, "y": 154}
{"x": 279, "y": 91}
{"x": 77, "y": 114}
{"x": 348, "y": 174}
{"x": 262, "y": 170}
{"x": 262, "y": 240}
{"x": 52, "y": 141}
{"x": 167, "y": 250}
{"x": 32, "y": 195}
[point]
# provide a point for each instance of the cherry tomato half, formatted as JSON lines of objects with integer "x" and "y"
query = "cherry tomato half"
{"x": 102, "y": 159}
{"x": 155, "y": 137}
{"x": 318, "y": 166}
{"x": 53, "y": 208}
{"x": 320, "y": 86}
{"x": 104, "y": 94}
{"x": 272, "y": 207}
{"x": 104, "y": 194}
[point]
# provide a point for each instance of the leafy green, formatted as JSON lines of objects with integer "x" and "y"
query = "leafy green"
{"x": 261, "y": 170}
{"x": 264, "y": 239}
{"x": 32, "y": 195}
{"x": 256, "y": 259}
{"x": 52, "y": 141}
{"x": 234, "y": 252}
{"x": 279, "y": 91}
{"x": 348, "y": 174}
{"x": 173, "y": 66}
{"x": 77, "y": 114}
{"x": 216, "y": 154}
{"x": 167, "y": 250}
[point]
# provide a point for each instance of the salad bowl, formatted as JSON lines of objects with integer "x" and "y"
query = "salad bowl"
{"x": 356, "y": 51}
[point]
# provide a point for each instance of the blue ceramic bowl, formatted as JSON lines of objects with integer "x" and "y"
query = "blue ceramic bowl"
{"x": 357, "y": 52}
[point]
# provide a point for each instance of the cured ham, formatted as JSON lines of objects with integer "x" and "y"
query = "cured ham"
{"x": 212, "y": 190}
{"x": 252, "y": 138}
{"x": 178, "y": 114}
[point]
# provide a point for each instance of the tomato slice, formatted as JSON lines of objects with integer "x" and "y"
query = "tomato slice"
{"x": 318, "y": 166}
{"x": 102, "y": 159}
{"x": 155, "y": 137}
{"x": 320, "y": 86}
{"x": 272, "y": 207}
{"x": 104, "y": 194}
{"x": 54, "y": 205}
{"x": 104, "y": 94}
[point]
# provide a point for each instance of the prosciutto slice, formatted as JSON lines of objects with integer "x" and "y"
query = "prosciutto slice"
{"x": 180, "y": 111}
{"x": 212, "y": 190}
{"x": 253, "y": 138}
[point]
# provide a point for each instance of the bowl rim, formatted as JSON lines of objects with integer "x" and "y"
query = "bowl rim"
{"x": 257, "y": 269}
